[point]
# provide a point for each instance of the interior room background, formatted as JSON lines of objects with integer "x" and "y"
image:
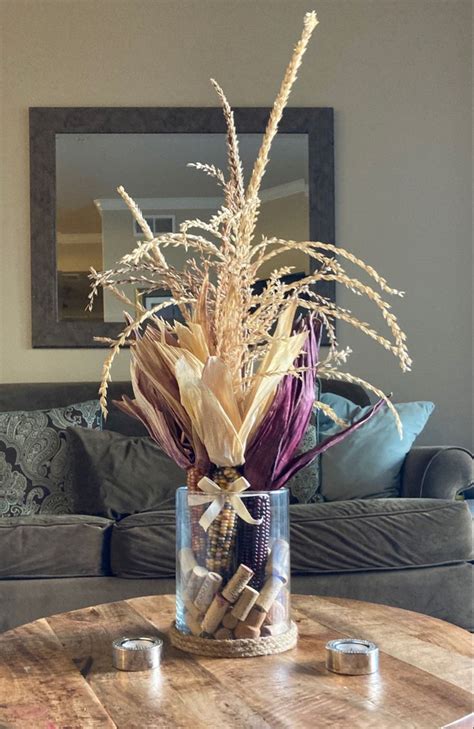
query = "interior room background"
{"x": 398, "y": 75}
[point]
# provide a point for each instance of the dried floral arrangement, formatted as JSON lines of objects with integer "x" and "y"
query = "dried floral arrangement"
{"x": 230, "y": 391}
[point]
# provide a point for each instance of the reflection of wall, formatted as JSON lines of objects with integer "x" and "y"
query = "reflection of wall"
{"x": 79, "y": 220}
{"x": 73, "y": 297}
{"x": 79, "y": 256}
{"x": 76, "y": 252}
{"x": 286, "y": 217}
{"x": 118, "y": 239}
{"x": 398, "y": 76}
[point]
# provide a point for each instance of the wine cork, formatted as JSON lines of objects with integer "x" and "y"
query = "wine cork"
{"x": 246, "y": 631}
{"x": 187, "y": 561}
{"x": 255, "y": 618}
{"x": 192, "y": 610}
{"x": 208, "y": 589}
{"x": 196, "y": 578}
{"x": 269, "y": 592}
{"x": 236, "y": 584}
{"x": 193, "y": 624}
{"x": 277, "y": 563}
{"x": 214, "y": 614}
{"x": 245, "y": 603}
{"x": 276, "y": 629}
{"x": 229, "y": 621}
{"x": 223, "y": 634}
{"x": 276, "y": 614}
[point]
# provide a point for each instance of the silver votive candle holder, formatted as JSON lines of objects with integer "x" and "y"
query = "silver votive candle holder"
{"x": 140, "y": 653}
{"x": 352, "y": 656}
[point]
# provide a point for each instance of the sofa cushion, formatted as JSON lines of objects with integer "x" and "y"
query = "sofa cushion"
{"x": 379, "y": 534}
{"x": 143, "y": 545}
{"x": 114, "y": 475}
{"x": 34, "y": 459}
{"x": 47, "y": 545}
{"x": 337, "y": 537}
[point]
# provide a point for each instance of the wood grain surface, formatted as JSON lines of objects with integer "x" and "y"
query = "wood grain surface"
{"x": 57, "y": 673}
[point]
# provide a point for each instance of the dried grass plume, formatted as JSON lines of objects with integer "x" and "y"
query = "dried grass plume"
{"x": 234, "y": 345}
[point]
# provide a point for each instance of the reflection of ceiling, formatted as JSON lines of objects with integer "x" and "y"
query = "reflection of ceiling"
{"x": 90, "y": 166}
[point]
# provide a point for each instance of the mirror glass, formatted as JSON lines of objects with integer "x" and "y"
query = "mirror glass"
{"x": 94, "y": 228}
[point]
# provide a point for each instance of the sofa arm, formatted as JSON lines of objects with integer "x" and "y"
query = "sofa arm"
{"x": 436, "y": 472}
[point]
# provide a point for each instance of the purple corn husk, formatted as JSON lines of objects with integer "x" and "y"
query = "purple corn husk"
{"x": 163, "y": 426}
{"x": 304, "y": 459}
{"x": 302, "y": 394}
{"x": 159, "y": 432}
{"x": 287, "y": 420}
{"x": 168, "y": 439}
{"x": 271, "y": 458}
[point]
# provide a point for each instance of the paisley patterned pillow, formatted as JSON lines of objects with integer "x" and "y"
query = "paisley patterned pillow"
{"x": 33, "y": 457}
{"x": 304, "y": 485}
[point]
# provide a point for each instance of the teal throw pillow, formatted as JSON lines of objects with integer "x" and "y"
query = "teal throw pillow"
{"x": 368, "y": 463}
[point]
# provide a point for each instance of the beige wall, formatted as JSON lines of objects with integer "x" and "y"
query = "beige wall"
{"x": 397, "y": 73}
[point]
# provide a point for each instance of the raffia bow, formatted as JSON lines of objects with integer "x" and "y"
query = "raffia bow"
{"x": 218, "y": 498}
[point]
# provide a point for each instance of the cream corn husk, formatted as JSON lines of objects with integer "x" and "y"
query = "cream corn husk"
{"x": 204, "y": 386}
{"x": 222, "y": 424}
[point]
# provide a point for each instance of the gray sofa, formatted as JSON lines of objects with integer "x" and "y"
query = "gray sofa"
{"x": 413, "y": 552}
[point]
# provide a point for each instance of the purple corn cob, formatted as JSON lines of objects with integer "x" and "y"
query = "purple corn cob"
{"x": 253, "y": 540}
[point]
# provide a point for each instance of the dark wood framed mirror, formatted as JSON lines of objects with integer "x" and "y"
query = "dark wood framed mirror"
{"x": 78, "y": 157}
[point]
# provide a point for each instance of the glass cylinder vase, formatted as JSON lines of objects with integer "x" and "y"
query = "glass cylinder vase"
{"x": 233, "y": 573}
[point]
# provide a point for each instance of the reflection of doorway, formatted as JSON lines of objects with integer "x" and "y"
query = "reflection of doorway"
{"x": 73, "y": 292}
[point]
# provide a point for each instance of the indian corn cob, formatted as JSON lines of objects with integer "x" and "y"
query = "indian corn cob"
{"x": 222, "y": 532}
{"x": 198, "y": 535}
{"x": 253, "y": 541}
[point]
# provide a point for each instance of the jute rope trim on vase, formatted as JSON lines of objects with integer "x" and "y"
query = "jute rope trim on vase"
{"x": 239, "y": 648}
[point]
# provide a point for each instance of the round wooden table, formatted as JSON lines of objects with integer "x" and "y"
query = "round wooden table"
{"x": 57, "y": 672}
